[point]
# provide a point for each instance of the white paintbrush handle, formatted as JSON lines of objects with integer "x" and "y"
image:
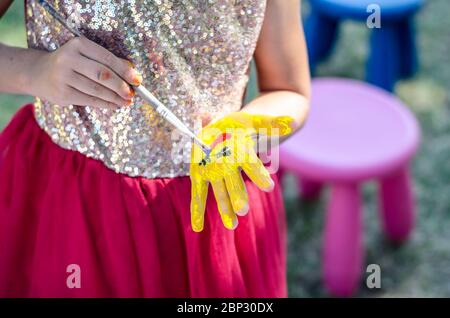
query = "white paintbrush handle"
{"x": 168, "y": 115}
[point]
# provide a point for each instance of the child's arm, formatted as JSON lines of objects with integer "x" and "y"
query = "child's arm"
{"x": 282, "y": 64}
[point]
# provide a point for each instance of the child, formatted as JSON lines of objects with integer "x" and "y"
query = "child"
{"x": 94, "y": 193}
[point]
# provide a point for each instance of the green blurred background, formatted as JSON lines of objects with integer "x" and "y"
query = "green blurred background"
{"x": 421, "y": 267}
{"x": 12, "y": 32}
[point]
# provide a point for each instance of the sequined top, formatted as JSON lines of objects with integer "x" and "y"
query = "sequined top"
{"x": 193, "y": 54}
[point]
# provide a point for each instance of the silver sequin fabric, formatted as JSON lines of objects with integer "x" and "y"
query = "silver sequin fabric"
{"x": 194, "y": 56}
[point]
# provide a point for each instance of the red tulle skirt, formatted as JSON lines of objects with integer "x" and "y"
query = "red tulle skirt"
{"x": 71, "y": 227}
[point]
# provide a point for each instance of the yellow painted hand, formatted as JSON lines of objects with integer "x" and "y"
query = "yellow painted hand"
{"x": 230, "y": 139}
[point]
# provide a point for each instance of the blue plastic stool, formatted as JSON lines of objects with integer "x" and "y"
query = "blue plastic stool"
{"x": 393, "y": 53}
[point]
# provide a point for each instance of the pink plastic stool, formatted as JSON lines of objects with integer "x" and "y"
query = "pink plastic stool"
{"x": 355, "y": 132}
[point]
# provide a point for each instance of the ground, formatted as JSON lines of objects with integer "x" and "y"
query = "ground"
{"x": 419, "y": 268}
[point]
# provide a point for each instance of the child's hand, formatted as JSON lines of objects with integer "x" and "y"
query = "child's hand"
{"x": 232, "y": 149}
{"x": 83, "y": 73}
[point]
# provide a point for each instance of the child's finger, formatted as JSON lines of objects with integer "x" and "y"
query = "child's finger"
{"x": 199, "y": 192}
{"x": 229, "y": 218}
{"x": 120, "y": 66}
{"x": 102, "y": 76}
{"x": 237, "y": 192}
{"x": 255, "y": 170}
{"x": 272, "y": 126}
{"x": 92, "y": 88}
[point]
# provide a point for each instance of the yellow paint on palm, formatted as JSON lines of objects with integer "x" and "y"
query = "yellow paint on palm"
{"x": 232, "y": 150}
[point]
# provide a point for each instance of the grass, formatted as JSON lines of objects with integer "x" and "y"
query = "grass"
{"x": 12, "y": 32}
{"x": 421, "y": 266}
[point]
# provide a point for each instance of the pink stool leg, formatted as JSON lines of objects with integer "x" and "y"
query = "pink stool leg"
{"x": 343, "y": 254}
{"x": 310, "y": 190}
{"x": 397, "y": 205}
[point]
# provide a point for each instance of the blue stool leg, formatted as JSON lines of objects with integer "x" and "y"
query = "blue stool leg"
{"x": 321, "y": 33}
{"x": 383, "y": 67}
{"x": 408, "y": 49}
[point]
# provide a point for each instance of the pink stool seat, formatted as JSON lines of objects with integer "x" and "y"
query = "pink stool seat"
{"x": 354, "y": 131}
